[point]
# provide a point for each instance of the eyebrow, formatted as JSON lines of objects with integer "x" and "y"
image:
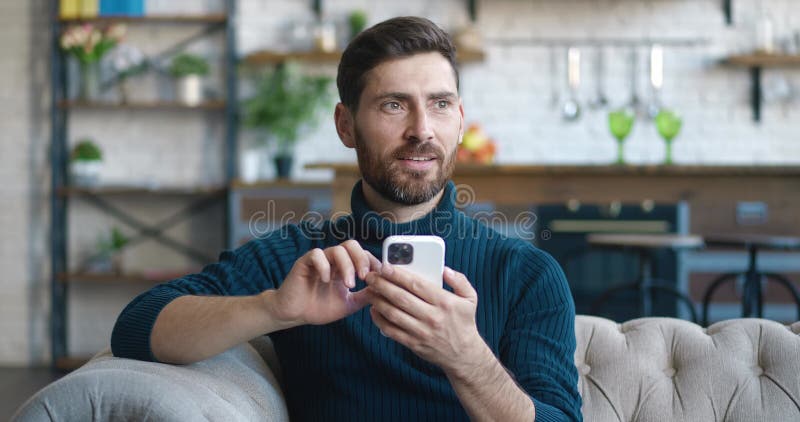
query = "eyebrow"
{"x": 403, "y": 96}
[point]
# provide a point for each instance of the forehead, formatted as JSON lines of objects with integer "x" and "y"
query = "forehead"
{"x": 425, "y": 72}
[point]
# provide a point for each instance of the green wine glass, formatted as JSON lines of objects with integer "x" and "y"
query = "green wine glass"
{"x": 620, "y": 122}
{"x": 669, "y": 125}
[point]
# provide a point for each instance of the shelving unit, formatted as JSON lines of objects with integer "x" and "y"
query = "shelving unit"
{"x": 198, "y": 197}
{"x": 139, "y": 105}
{"x": 190, "y": 19}
{"x": 756, "y": 63}
{"x": 268, "y": 57}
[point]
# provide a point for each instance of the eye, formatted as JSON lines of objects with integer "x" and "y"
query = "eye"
{"x": 391, "y": 106}
{"x": 442, "y": 104}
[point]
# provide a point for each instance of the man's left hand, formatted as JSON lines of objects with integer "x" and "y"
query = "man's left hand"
{"x": 437, "y": 325}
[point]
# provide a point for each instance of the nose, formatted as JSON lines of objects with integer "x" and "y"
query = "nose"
{"x": 419, "y": 128}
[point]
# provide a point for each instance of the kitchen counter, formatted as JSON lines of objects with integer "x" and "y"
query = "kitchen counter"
{"x": 628, "y": 170}
{"x": 714, "y": 193}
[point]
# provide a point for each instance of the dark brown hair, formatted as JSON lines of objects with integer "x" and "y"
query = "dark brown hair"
{"x": 390, "y": 39}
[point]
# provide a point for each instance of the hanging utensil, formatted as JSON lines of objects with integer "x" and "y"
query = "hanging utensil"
{"x": 635, "y": 104}
{"x": 600, "y": 100}
{"x": 571, "y": 109}
{"x": 554, "y": 82}
{"x": 656, "y": 79}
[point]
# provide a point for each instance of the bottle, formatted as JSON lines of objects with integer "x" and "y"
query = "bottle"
{"x": 765, "y": 37}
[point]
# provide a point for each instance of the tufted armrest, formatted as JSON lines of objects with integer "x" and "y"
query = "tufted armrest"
{"x": 663, "y": 369}
{"x": 237, "y": 385}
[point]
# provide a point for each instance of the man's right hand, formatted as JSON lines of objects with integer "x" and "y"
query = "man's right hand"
{"x": 317, "y": 288}
{"x": 316, "y": 291}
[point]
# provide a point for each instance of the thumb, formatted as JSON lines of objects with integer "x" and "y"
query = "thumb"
{"x": 359, "y": 299}
{"x": 459, "y": 283}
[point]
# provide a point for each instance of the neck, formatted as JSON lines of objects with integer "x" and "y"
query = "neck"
{"x": 394, "y": 212}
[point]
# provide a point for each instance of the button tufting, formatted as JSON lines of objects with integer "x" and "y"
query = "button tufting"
{"x": 758, "y": 371}
{"x": 670, "y": 372}
{"x": 584, "y": 369}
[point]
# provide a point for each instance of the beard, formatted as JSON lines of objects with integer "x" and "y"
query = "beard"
{"x": 400, "y": 185}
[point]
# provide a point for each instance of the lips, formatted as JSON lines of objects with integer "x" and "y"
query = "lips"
{"x": 418, "y": 158}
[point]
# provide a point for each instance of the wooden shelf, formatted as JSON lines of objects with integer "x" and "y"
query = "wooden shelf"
{"x": 141, "y": 190}
{"x": 127, "y": 278}
{"x": 188, "y": 19}
{"x": 763, "y": 60}
{"x": 756, "y": 63}
{"x": 278, "y": 183}
{"x": 265, "y": 57}
{"x": 141, "y": 105}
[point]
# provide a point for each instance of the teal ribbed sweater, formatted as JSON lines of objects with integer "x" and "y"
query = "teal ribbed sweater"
{"x": 347, "y": 370}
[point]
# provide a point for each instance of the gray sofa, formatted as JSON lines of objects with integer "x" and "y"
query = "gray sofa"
{"x": 649, "y": 369}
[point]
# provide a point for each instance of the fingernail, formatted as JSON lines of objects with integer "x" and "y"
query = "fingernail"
{"x": 383, "y": 334}
{"x": 364, "y": 272}
{"x": 448, "y": 271}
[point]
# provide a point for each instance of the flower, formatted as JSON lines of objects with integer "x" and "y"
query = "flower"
{"x": 89, "y": 43}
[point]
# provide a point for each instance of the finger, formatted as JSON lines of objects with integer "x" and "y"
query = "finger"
{"x": 360, "y": 299}
{"x": 374, "y": 263}
{"x": 319, "y": 262}
{"x": 391, "y": 295}
{"x": 458, "y": 281}
{"x": 411, "y": 282}
{"x": 340, "y": 259}
{"x": 389, "y": 329}
{"x": 358, "y": 256}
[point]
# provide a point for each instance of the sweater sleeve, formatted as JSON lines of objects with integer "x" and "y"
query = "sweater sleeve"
{"x": 538, "y": 343}
{"x": 254, "y": 267}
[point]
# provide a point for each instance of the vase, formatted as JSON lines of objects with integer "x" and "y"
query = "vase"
{"x": 250, "y": 165}
{"x": 283, "y": 166}
{"x": 190, "y": 90}
{"x": 89, "y": 88}
{"x": 85, "y": 173}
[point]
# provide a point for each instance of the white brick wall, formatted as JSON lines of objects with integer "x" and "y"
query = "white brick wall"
{"x": 508, "y": 95}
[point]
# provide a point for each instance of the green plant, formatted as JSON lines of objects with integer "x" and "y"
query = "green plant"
{"x": 357, "y": 21}
{"x": 86, "y": 150}
{"x": 188, "y": 64}
{"x": 112, "y": 243}
{"x": 284, "y": 102}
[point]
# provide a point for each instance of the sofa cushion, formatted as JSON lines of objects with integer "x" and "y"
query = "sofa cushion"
{"x": 657, "y": 369}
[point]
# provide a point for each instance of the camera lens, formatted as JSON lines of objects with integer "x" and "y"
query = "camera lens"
{"x": 401, "y": 253}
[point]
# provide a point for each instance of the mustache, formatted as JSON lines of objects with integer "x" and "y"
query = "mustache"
{"x": 420, "y": 149}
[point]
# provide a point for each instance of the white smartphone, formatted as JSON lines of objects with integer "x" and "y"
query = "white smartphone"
{"x": 423, "y": 255}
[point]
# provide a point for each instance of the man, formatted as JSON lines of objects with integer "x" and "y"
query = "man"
{"x": 361, "y": 341}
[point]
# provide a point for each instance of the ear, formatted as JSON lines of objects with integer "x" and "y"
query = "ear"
{"x": 345, "y": 125}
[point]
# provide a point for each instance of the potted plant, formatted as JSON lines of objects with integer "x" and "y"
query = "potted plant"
{"x": 85, "y": 163}
{"x": 284, "y": 103}
{"x": 107, "y": 258}
{"x": 188, "y": 70}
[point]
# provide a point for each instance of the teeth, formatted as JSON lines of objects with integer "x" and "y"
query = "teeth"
{"x": 418, "y": 159}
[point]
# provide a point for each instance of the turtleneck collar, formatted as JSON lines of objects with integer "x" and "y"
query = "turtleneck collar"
{"x": 369, "y": 225}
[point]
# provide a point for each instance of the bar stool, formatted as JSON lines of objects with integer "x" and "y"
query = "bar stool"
{"x": 752, "y": 294}
{"x": 644, "y": 245}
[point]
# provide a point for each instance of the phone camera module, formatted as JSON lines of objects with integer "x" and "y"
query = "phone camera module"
{"x": 401, "y": 253}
